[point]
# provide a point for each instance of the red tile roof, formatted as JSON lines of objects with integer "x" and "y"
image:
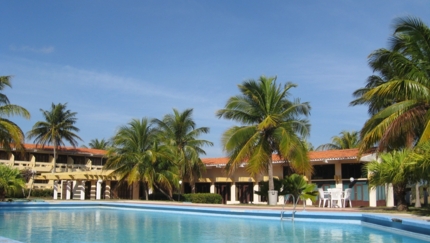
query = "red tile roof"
{"x": 313, "y": 156}
{"x": 66, "y": 149}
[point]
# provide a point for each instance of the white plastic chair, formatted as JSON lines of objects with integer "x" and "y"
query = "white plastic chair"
{"x": 323, "y": 198}
{"x": 336, "y": 198}
{"x": 347, "y": 197}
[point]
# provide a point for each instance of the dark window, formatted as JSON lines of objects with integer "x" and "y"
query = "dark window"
{"x": 287, "y": 171}
{"x": 353, "y": 170}
{"x": 323, "y": 172}
{"x": 79, "y": 160}
{"x": 203, "y": 187}
{"x": 20, "y": 156}
{"x": 98, "y": 161}
{"x": 62, "y": 159}
{"x": 42, "y": 157}
{"x": 4, "y": 155}
{"x": 41, "y": 181}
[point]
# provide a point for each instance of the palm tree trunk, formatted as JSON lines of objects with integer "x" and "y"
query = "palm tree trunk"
{"x": 162, "y": 191}
{"x": 55, "y": 156}
{"x": 400, "y": 191}
{"x": 270, "y": 173}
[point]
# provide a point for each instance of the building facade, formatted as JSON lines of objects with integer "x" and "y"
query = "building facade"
{"x": 79, "y": 175}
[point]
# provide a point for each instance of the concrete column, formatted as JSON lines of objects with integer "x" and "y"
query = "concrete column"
{"x": 256, "y": 196}
{"x": 99, "y": 189}
{"x": 82, "y": 190}
{"x": 373, "y": 197}
{"x": 233, "y": 192}
{"x": 76, "y": 189}
{"x": 93, "y": 190}
{"x": 389, "y": 195}
{"x": 68, "y": 190}
{"x": 338, "y": 173}
{"x": 212, "y": 188}
{"x": 55, "y": 196}
{"x": 107, "y": 190}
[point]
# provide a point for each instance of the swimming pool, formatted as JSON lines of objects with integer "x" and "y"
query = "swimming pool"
{"x": 146, "y": 223}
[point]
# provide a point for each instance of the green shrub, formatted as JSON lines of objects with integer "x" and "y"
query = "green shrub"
{"x": 210, "y": 198}
{"x": 34, "y": 193}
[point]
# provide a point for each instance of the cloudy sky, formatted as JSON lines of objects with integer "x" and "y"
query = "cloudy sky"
{"x": 112, "y": 61}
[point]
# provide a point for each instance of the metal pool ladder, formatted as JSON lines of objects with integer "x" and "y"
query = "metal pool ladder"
{"x": 286, "y": 198}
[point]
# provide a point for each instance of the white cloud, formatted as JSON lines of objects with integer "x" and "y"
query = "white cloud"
{"x": 43, "y": 50}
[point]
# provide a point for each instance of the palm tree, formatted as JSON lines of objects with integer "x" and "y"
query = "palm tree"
{"x": 59, "y": 125}
{"x": 297, "y": 186}
{"x": 179, "y": 131}
{"x": 398, "y": 97}
{"x": 10, "y": 133}
{"x": 270, "y": 125}
{"x": 346, "y": 140}
{"x": 11, "y": 180}
{"x": 135, "y": 156}
{"x": 98, "y": 144}
{"x": 394, "y": 168}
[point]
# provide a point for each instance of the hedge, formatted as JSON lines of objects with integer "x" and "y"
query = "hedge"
{"x": 210, "y": 198}
{"x": 34, "y": 193}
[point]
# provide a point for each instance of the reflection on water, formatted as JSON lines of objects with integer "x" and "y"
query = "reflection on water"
{"x": 111, "y": 225}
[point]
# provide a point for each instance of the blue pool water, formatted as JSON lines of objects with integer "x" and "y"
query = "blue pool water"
{"x": 99, "y": 224}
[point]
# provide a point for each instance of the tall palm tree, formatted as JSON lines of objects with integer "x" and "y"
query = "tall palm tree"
{"x": 10, "y": 133}
{"x": 98, "y": 144}
{"x": 59, "y": 125}
{"x": 270, "y": 125}
{"x": 179, "y": 131}
{"x": 346, "y": 140}
{"x": 135, "y": 156}
{"x": 398, "y": 96}
{"x": 11, "y": 180}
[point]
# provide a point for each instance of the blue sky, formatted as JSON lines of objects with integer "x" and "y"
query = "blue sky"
{"x": 113, "y": 61}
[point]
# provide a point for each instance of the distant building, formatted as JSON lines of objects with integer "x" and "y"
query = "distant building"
{"x": 79, "y": 175}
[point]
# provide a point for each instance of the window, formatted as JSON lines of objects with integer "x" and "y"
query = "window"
{"x": 96, "y": 161}
{"x": 4, "y": 155}
{"x": 323, "y": 172}
{"x": 353, "y": 170}
{"x": 79, "y": 160}
{"x": 20, "y": 156}
{"x": 41, "y": 157}
{"x": 61, "y": 159}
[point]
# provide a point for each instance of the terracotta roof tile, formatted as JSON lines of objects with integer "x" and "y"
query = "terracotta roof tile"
{"x": 313, "y": 156}
{"x": 67, "y": 149}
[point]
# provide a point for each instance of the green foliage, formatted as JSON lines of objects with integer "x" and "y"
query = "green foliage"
{"x": 264, "y": 187}
{"x": 10, "y": 133}
{"x": 11, "y": 180}
{"x": 98, "y": 144}
{"x": 179, "y": 132}
{"x": 136, "y": 155}
{"x": 270, "y": 124}
{"x": 297, "y": 186}
{"x": 398, "y": 94}
{"x": 43, "y": 193}
{"x": 210, "y": 198}
{"x": 294, "y": 184}
{"x": 58, "y": 126}
{"x": 394, "y": 167}
{"x": 346, "y": 140}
